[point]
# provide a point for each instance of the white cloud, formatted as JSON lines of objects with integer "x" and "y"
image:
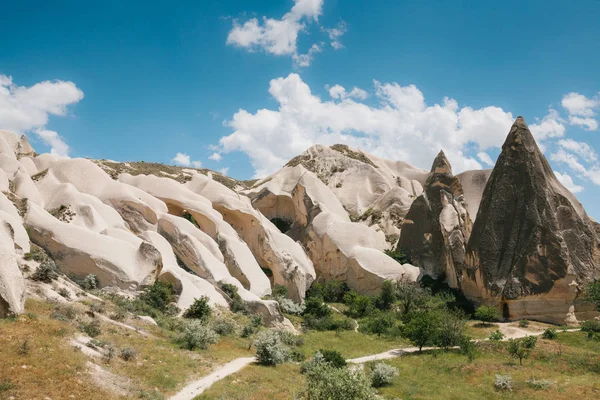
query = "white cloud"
{"x": 182, "y": 159}
{"x": 336, "y": 33}
{"x": 27, "y": 109}
{"x": 224, "y": 171}
{"x": 401, "y": 126}
{"x": 339, "y": 92}
{"x": 567, "y": 182}
{"x": 197, "y": 164}
{"x": 485, "y": 158}
{"x": 54, "y": 141}
{"x": 278, "y": 36}
{"x": 551, "y": 126}
{"x": 590, "y": 172}
{"x": 215, "y": 157}
{"x": 304, "y": 60}
{"x": 581, "y": 110}
{"x": 584, "y": 150}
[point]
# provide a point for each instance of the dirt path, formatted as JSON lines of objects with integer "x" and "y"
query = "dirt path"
{"x": 197, "y": 387}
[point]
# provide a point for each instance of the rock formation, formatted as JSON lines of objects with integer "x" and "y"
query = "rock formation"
{"x": 532, "y": 243}
{"x": 437, "y": 227}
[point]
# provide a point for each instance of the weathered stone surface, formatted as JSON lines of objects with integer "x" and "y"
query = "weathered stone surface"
{"x": 532, "y": 243}
{"x": 12, "y": 284}
{"x": 437, "y": 227}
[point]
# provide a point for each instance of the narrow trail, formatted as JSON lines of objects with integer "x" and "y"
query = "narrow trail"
{"x": 197, "y": 387}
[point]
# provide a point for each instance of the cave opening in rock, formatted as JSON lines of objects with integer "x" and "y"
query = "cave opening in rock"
{"x": 505, "y": 311}
{"x": 282, "y": 224}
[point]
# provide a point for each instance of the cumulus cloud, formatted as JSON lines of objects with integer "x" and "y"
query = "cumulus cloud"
{"x": 401, "y": 126}
{"x": 278, "y": 36}
{"x": 551, "y": 126}
{"x": 336, "y": 33}
{"x": 585, "y": 170}
{"x": 340, "y": 93}
{"x": 215, "y": 157}
{"x": 27, "y": 109}
{"x": 567, "y": 182}
{"x": 582, "y": 110}
{"x": 224, "y": 171}
{"x": 185, "y": 161}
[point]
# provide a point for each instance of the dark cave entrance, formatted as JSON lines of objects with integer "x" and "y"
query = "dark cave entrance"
{"x": 282, "y": 224}
{"x": 505, "y": 311}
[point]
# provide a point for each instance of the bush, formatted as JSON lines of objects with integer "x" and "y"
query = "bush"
{"x": 486, "y": 314}
{"x": 256, "y": 320}
{"x": 529, "y": 342}
{"x": 279, "y": 291}
{"x": 224, "y": 325}
{"x": 63, "y": 312}
{"x": 387, "y": 297}
{"x": 315, "y": 361}
{"x": 378, "y": 324}
{"x": 316, "y": 307}
{"x": 290, "y": 339}
{"x": 468, "y": 348}
{"x": 270, "y": 350}
{"x": 128, "y": 354}
{"x": 159, "y": 295}
{"x": 592, "y": 325}
{"x": 411, "y": 297}
{"x": 359, "y": 306}
{"x": 200, "y": 309}
{"x": 539, "y": 384}
{"x": 550, "y": 334}
{"x": 289, "y": 307}
{"x": 333, "y": 357}
{"x": 592, "y": 293}
{"x": 331, "y": 291}
{"x": 64, "y": 293}
{"x": 451, "y": 329}
{"x": 523, "y": 323}
{"x": 325, "y": 382}
{"x": 503, "y": 382}
{"x": 521, "y": 348}
{"x": 496, "y": 335}
{"x": 92, "y": 329}
{"x": 328, "y": 323}
{"x": 399, "y": 256}
{"x": 90, "y": 282}
{"x": 197, "y": 335}
{"x": 247, "y": 331}
{"x": 46, "y": 272}
{"x": 237, "y": 304}
{"x": 383, "y": 374}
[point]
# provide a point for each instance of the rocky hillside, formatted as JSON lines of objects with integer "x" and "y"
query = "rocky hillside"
{"x": 513, "y": 236}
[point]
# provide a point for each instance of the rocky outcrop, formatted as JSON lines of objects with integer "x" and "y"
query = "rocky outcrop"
{"x": 12, "y": 284}
{"x": 532, "y": 243}
{"x": 437, "y": 227}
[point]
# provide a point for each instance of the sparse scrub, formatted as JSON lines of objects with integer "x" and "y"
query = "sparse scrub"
{"x": 503, "y": 382}
{"x": 63, "y": 312}
{"x": 289, "y": 307}
{"x": 90, "y": 282}
{"x": 237, "y": 304}
{"x": 288, "y": 338}
{"x": 270, "y": 350}
{"x": 521, "y": 348}
{"x": 496, "y": 335}
{"x": 550, "y": 333}
{"x": 197, "y": 335}
{"x": 383, "y": 374}
{"x": 224, "y": 325}
{"x": 64, "y": 293}
{"x": 539, "y": 384}
{"x": 128, "y": 354}
{"x": 92, "y": 329}
{"x": 523, "y": 323}
{"x": 46, "y": 272}
{"x": 159, "y": 295}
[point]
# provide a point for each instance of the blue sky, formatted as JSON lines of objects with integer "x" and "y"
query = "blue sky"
{"x": 148, "y": 80}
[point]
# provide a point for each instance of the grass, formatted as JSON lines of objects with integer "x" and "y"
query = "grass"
{"x": 349, "y": 343}
{"x": 49, "y": 367}
{"x": 256, "y": 382}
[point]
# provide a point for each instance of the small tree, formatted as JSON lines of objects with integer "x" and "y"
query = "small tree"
{"x": 423, "y": 329}
{"x": 200, "y": 309}
{"x": 380, "y": 324}
{"x": 383, "y": 374}
{"x": 159, "y": 295}
{"x": 316, "y": 306}
{"x": 411, "y": 296}
{"x": 521, "y": 348}
{"x": 592, "y": 293}
{"x": 387, "y": 297}
{"x": 487, "y": 314}
{"x": 451, "y": 329}
{"x": 333, "y": 357}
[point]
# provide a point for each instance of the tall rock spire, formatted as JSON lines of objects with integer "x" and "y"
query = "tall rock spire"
{"x": 436, "y": 229}
{"x": 531, "y": 237}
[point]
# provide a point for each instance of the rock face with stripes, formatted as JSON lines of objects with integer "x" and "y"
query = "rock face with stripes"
{"x": 437, "y": 227}
{"x": 532, "y": 246}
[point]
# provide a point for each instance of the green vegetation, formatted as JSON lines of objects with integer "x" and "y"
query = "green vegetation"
{"x": 487, "y": 314}
{"x": 236, "y": 304}
{"x": 200, "y": 309}
{"x": 592, "y": 293}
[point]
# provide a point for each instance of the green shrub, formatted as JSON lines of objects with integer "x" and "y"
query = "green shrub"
{"x": 591, "y": 325}
{"x": 503, "y": 382}
{"x": 521, "y": 348}
{"x": 387, "y": 297}
{"x": 159, "y": 295}
{"x": 316, "y": 307}
{"x": 90, "y": 282}
{"x": 63, "y": 312}
{"x": 379, "y": 324}
{"x": 422, "y": 329}
{"x": 224, "y": 325}
{"x": 468, "y": 348}
{"x": 92, "y": 329}
{"x": 326, "y": 382}
{"x": 128, "y": 354}
{"x": 279, "y": 291}
{"x": 529, "y": 342}
{"x": 496, "y": 335}
{"x": 383, "y": 374}
{"x": 237, "y": 304}
{"x": 523, "y": 323}
{"x": 200, "y": 309}
{"x": 35, "y": 253}
{"x": 196, "y": 335}
{"x": 247, "y": 331}
{"x": 256, "y": 320}
{"x": 359, "y": 306}
{"x": 331, "y": 291}
{"x": 451, "y": 328}
{"x": 550, "y": 333}
{"x": 270, "y": 350}
{"x": 592, "y": 293}
{"x": 328, "y": 323}
{"x": 398, "y": 255}
{"x": 290, "y": 339}
{"x": 333, "y": 357}
{"x": 486, "y": 314}
{"x": 46, "y": 272}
